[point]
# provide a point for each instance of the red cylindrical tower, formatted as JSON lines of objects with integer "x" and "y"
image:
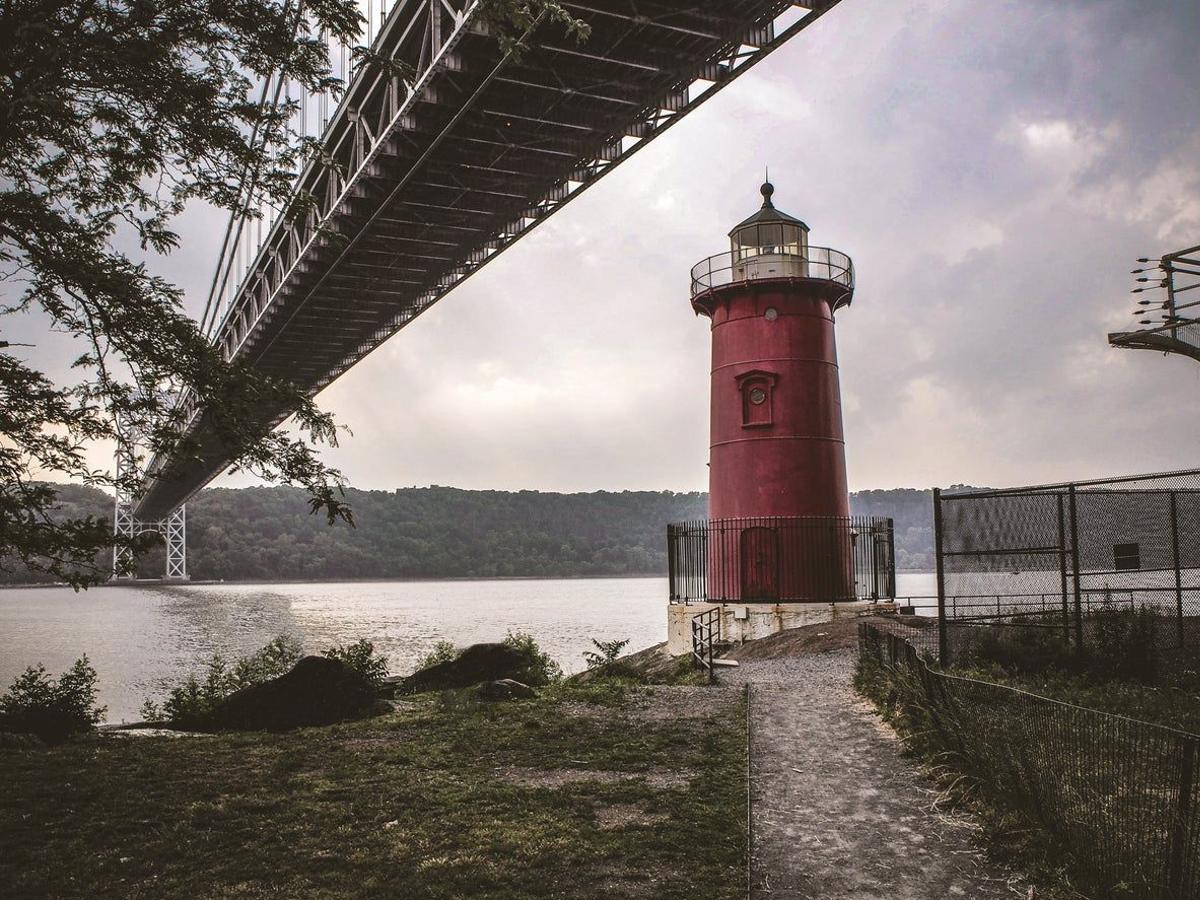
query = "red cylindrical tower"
{"x": 777, "y": 448}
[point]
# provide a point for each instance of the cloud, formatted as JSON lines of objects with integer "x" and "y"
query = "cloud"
{"x": 993, "y": 169}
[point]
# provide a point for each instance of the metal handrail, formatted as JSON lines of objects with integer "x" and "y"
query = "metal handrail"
{"x": 812, "y": 263}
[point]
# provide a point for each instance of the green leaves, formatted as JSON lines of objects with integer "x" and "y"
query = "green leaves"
{"x": 53, "y": 709}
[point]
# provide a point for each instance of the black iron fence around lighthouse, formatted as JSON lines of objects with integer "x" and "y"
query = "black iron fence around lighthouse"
{"x": 782, "y": 559}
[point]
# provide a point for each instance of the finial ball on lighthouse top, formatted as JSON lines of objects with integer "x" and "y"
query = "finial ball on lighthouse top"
{"x": 767, "y": 190}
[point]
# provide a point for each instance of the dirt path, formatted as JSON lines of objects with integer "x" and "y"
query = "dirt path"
{"x": 837, "y": 811}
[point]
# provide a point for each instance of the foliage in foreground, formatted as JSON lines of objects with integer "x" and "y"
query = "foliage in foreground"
{"x": 431, "y": 803}
{"x": 189, "y": 704}
{"x": 53, "y": 709}
{"x": 1119, "y": 645}
{"x": 608, "y": 653}
{"x": 539, "y": 669}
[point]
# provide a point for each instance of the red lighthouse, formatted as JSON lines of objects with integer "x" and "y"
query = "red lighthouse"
{"x": 777, "y": 447}
{"x": 779, "y": 506}
{"x": 780, "y": 548}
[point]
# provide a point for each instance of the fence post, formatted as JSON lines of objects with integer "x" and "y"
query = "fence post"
{"x": 1062, "y": 571}
{"x": 671, "y": 561}
{"x": 943, "y": 637}
{"x": 891, "y": 559}
{"x": 1175, "y": 560}
{"x": 1075, "y": 570}
{"x": 1179, "y": 829}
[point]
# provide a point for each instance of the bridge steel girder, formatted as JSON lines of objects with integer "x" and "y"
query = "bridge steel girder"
{"x": 469, "y": 155}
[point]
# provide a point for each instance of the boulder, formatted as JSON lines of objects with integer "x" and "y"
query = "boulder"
{"x": 504, "y": 689}
{"x": 478, "y": 663}
{"x": 317, "y": 691}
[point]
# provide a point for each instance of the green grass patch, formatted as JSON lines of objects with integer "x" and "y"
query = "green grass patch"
{"x": 418, "y": 804}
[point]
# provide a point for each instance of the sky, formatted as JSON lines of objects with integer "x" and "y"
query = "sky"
{"x": 993, "y": 168}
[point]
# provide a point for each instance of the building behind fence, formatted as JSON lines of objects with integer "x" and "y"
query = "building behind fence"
{"x": 1053, "y": 556}
{"x": 1119, "y": 795}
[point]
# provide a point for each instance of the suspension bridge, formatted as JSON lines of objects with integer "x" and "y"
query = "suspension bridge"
{"x": 440, "y": 169}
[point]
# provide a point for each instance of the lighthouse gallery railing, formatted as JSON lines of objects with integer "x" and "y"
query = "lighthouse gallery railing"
{"x": 782, "y": 559}
{"x": 817, "y": 263}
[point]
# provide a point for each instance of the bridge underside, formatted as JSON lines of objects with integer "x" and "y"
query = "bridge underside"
{"x": 441, "y": 173}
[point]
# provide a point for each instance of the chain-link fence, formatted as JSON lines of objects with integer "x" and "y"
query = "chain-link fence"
{"x": 1062, "y": 557}
{"x": 1118, "y": 796}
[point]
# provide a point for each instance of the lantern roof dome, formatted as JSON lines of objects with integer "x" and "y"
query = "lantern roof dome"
{"x": 767, "y": 213}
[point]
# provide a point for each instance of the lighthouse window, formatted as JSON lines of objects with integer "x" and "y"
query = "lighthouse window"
{"x": 755, "y": 388}
{"x": 771, "y": 314}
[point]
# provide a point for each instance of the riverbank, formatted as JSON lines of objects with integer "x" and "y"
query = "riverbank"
{"x": 586, "y": 790}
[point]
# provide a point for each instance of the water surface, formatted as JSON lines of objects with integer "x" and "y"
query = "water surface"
{"x": 143, "y": 638}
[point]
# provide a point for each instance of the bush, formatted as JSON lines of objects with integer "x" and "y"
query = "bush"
{"x": 49, "y": 708}
{"x": 190, "y": 703}
{"x": 443, "y": 651}
{"x": 361, "y": 657}
{"x": 1118, "y": 644}
{"x": 539, "y": 669}
{"x": 609, "y": 651}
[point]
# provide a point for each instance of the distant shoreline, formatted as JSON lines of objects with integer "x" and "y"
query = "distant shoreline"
{"x": 154, "y": 583}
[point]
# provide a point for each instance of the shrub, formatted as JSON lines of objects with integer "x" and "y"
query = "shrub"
{"x": 273, "y": 660}
{"x": 361, "y": 657}
{"x": 539, "y": 668}
{"x": 52, "y": 709}
{"x": 443, "y": 651}
{"x": 1122, "y": 644}
{"x": 190, "y": 703}
{"x": 609, "y": 651}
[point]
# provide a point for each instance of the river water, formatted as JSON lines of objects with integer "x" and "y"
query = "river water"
{"x": 141, "y": 639}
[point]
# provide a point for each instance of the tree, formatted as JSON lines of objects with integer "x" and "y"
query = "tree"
{"x": 113, "y": 117}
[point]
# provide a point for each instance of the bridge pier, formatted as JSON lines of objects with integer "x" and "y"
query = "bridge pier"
{"x": 173, "y": 529}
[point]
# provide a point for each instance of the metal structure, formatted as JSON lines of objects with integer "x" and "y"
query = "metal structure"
{"x": 1122, "y": 797}
{"x": 706, "y": 632}
{"x": 1170, "y": 320}
{"x": 781, "y": 559}
{"x": 1053, "y": 556}
{"x": 172, "y": 527}
{"x": 438, "y": 172}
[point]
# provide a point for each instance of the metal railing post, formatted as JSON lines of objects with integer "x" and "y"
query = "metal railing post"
{"x": 943, "y": 636}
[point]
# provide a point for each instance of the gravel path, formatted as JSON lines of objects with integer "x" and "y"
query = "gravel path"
{"x": 837, "y": 812}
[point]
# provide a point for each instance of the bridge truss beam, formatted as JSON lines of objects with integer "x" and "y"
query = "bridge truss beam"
{"x": 438, "y": 174}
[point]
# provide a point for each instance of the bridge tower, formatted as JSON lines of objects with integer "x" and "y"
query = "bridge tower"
{"x": 172, "y": 528}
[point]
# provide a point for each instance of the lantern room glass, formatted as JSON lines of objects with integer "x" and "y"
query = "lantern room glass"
{"x": 769, "y": 238}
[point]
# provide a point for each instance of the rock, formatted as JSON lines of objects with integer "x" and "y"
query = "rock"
{"x": 317, "y": 691}
{"x": 504, "y": 689}
{"x": 478, "y": 663}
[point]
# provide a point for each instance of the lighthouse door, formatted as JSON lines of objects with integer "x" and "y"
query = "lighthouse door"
{"x": 760, "y": 563}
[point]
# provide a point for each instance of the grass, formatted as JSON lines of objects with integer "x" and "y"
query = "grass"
{"x": 412, "y": 805}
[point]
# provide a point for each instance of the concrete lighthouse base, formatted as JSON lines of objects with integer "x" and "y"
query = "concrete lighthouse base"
{"x": 741, "y": 622}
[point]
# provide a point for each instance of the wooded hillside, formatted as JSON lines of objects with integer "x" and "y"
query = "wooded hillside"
{"x": 443, "y": 532}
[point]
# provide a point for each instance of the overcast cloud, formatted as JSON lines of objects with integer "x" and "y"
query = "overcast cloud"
{"x": 994, "y": 168}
